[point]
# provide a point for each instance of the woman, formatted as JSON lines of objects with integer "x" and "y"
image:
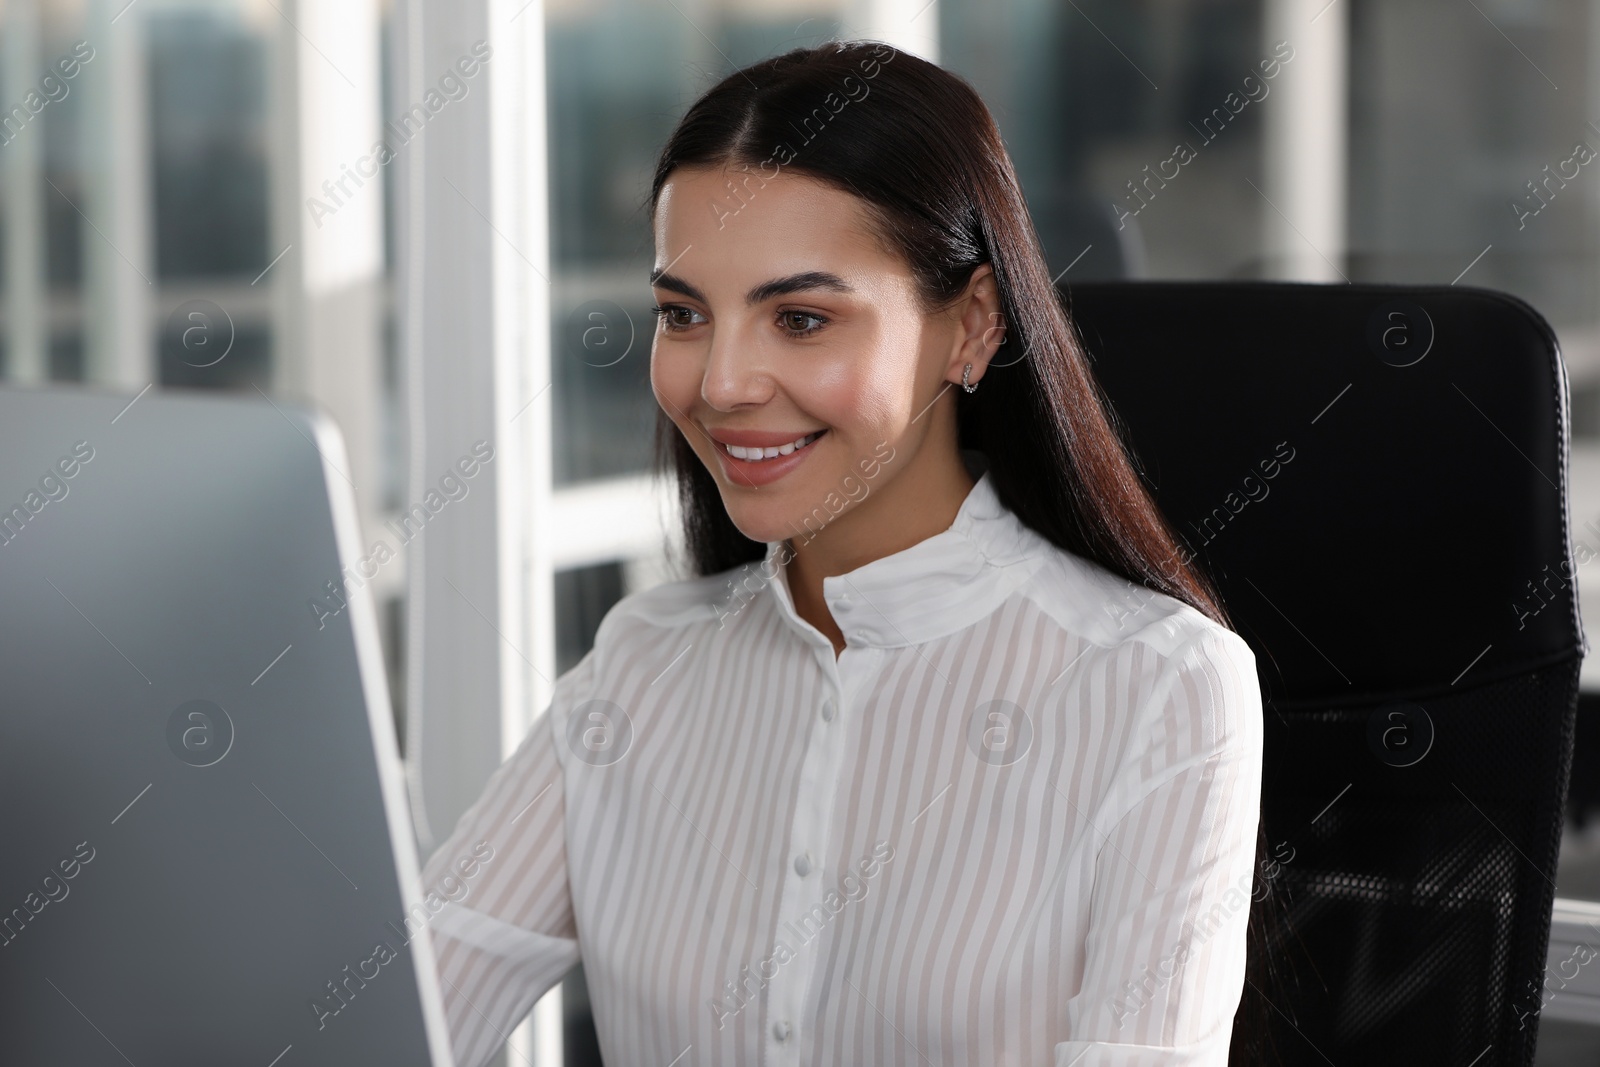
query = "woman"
{"x": 946, "y": 754}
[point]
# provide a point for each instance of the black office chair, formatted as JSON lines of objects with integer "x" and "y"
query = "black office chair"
{"x": 1376, "y": 478}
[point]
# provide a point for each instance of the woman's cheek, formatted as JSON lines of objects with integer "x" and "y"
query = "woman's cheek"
{"x": 673, "y": 380}
{"x": 841, "y": 393}
{"x": 867, "y": 407}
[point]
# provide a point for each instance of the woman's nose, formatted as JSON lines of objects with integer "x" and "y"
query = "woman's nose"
{"x": 735, "y": 373}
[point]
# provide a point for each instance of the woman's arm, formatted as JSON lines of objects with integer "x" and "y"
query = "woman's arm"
{"x": 505, "y": 934}
{"x": 1165, "y": 953}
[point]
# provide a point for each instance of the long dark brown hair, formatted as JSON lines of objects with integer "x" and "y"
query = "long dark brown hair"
{"x": 920, "y": 149}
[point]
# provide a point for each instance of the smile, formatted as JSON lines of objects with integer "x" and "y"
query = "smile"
{"x": 756, "y": 455}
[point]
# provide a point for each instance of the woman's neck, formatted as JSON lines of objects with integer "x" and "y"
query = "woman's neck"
{"x": 899, "y": 513}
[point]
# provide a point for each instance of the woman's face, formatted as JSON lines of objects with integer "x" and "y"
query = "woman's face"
{"x": 784, "y": 321}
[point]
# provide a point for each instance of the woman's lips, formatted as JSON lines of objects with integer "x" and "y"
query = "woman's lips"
{"x": 755, "y": 473}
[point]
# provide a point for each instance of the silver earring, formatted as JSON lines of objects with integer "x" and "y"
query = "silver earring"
{"x": 964, "y": 376}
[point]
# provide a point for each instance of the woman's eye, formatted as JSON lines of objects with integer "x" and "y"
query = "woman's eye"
{"x": 795, "y": 322}
{"x": 668, "y": 315}
{"x": 676, "y": 318}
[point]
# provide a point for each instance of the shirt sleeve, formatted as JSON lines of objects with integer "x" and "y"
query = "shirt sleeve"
{"x": 505, "y": 933}
{"x": 1165, "y": 952}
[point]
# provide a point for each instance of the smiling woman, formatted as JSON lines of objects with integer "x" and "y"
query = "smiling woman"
{"x": 835, "y": 346}
{"x": 1070, "y": 791}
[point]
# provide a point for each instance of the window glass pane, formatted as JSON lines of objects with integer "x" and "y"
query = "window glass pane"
{"x": 208, "y": 133}
{"x": 1093, "y": 100}
{"x": 1460, "y": 148}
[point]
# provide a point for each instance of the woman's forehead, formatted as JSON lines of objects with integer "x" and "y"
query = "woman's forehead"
{"x": 760, "y": 226}
{"x": 732, "y": 202}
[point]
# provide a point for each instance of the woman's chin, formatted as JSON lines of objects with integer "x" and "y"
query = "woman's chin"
{"x": 788, "y": 507}
{"x": 760, "y": 527}
{"x": 773, "y": 517}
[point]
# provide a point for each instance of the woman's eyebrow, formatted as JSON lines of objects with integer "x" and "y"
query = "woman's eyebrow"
{"x": 793, "y": 283}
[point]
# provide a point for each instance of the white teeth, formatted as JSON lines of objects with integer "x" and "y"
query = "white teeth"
{"x": 752, "y": 454}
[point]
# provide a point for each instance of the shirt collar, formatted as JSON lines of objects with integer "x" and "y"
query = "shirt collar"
{"x": 938, "y": 586}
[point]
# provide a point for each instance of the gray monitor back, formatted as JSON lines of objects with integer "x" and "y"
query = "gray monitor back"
{"x": 206, "y": 856}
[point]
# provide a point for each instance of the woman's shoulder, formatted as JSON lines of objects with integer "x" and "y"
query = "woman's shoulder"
{"x": 1095, "y": 602}
{"x": 1182, "y": 686}
{"x": 674, "y": 604}
{"x": 637, "y": 630}
{"x": 1116, "y": 614}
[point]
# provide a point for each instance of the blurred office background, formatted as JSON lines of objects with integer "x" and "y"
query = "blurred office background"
{"x": 199, "y": 205}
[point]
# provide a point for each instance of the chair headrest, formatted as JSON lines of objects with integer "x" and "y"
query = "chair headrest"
{"x": 1374, "y": 475}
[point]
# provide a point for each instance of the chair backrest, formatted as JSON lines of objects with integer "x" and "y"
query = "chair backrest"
{"x": 1375, "y": 476}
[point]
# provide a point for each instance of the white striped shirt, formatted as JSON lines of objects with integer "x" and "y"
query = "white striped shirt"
{"x": 1013, "y": 823}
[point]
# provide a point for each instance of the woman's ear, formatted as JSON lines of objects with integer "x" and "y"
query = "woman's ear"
{"x": 981, "y": 326}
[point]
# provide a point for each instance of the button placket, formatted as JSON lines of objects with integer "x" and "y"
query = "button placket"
{"x": 808, "y": 840}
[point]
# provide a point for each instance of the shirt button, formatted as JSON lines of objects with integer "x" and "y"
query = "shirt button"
{"x": 827, "y": 710}
{"x": 780, "y": 1030}
{"x": 802, "y": 864}
{"x": 861, "y": 636}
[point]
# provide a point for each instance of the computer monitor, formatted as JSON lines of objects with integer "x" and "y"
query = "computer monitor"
{"x": 206, "y": 855}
